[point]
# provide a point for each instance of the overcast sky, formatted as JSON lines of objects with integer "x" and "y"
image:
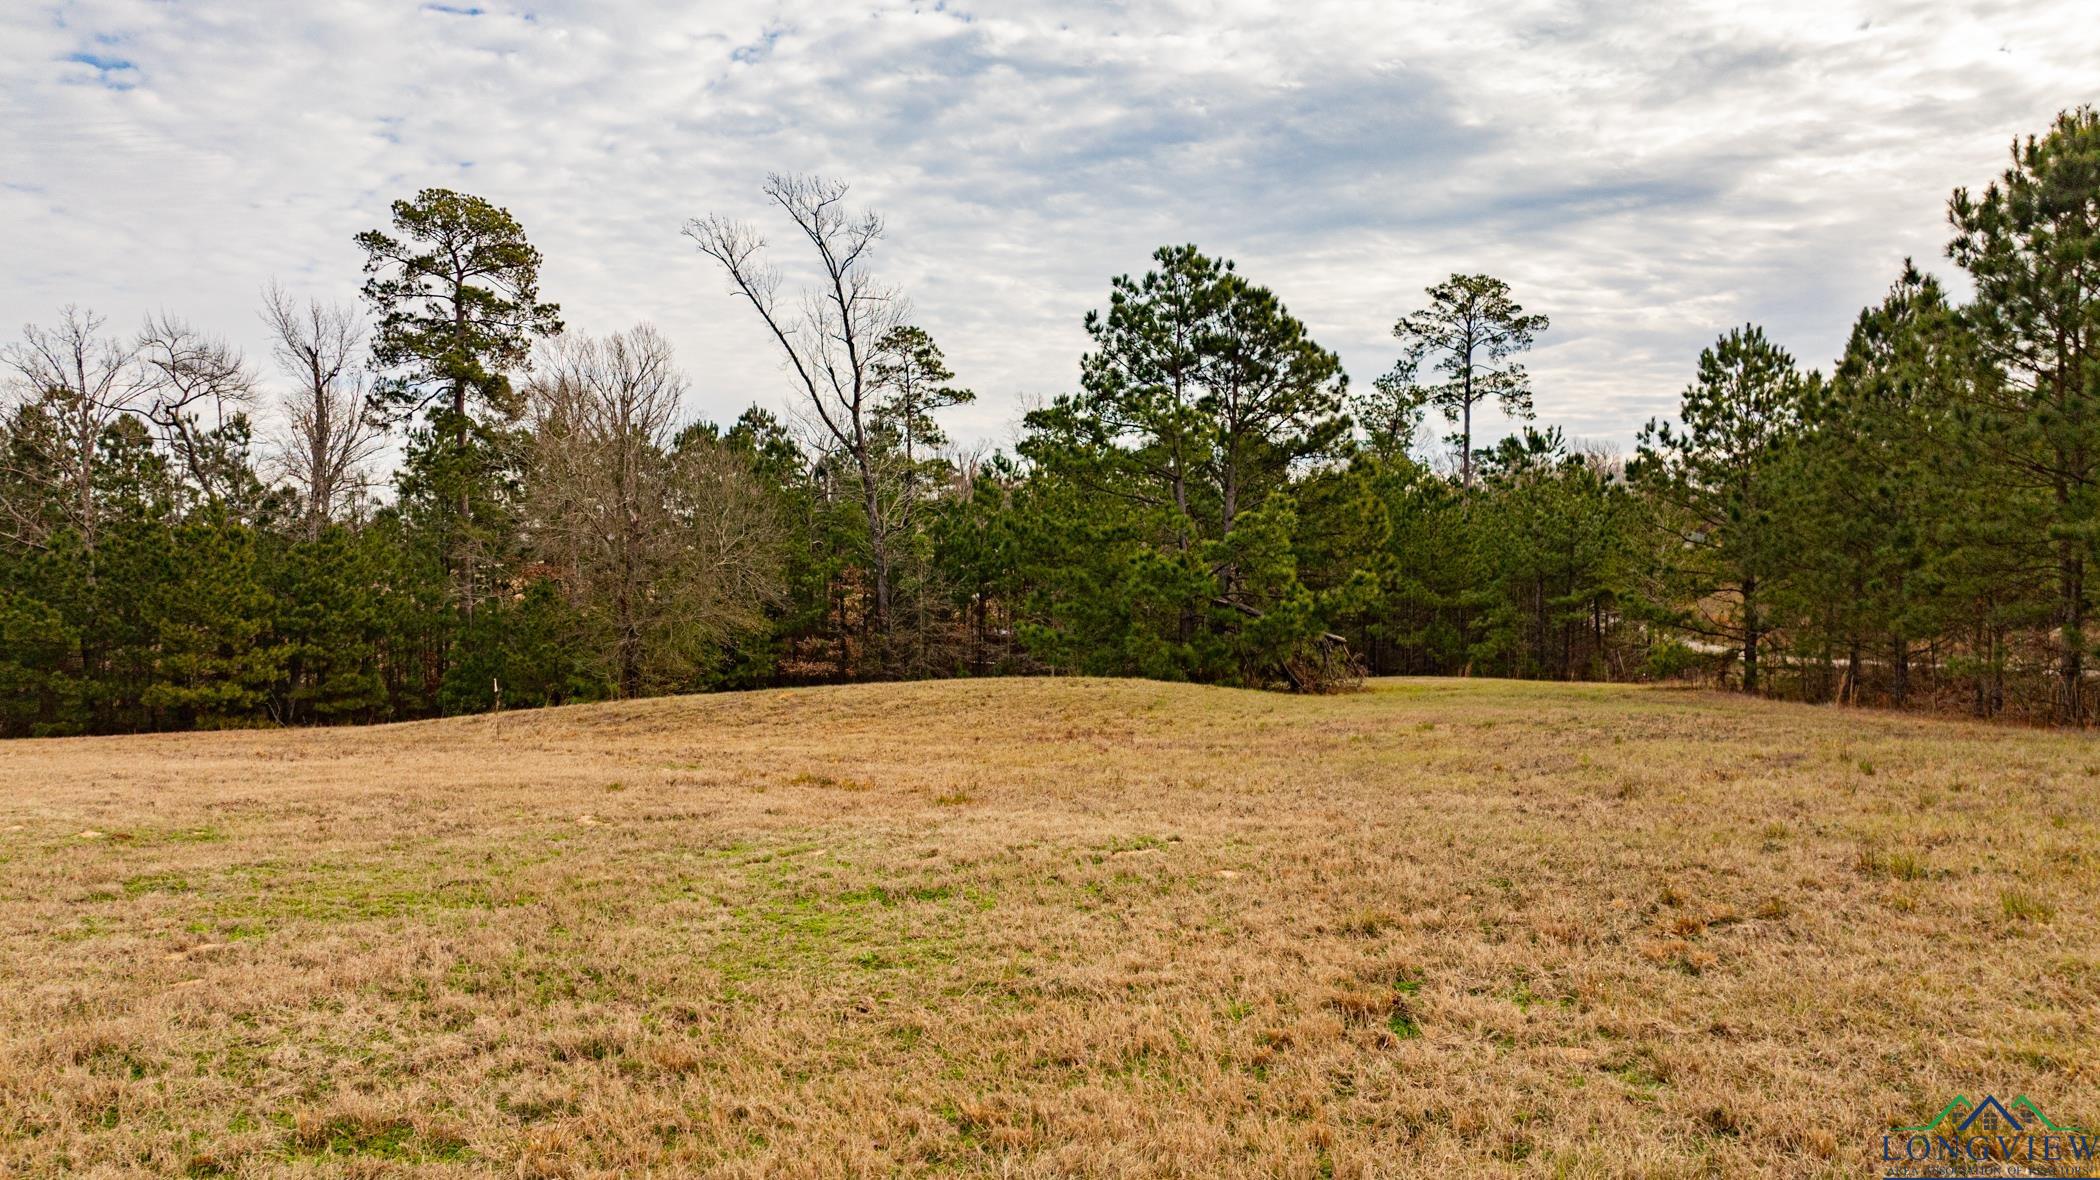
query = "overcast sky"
{"x": 1647, "y": 174}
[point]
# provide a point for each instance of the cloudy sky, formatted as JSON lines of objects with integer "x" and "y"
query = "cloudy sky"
{"x": 1647, "y": 174}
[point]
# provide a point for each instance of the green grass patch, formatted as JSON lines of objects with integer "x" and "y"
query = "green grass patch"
{"x": 146, "y": 883}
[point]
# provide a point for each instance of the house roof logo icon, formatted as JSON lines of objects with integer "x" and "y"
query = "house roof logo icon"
{"x": 1990, "y": 1106}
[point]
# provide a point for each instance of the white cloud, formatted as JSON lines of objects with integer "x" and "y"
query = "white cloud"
{"x": 1647, "y": 174}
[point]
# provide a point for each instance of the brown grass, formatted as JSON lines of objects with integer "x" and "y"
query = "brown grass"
{"x": 1029, "y": 928}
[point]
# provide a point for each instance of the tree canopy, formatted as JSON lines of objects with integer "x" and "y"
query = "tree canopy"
{"x": 444, "y": 501}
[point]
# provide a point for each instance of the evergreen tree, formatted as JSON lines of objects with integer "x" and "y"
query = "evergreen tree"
{"x": 978, "y": 545}
{"x": 210, "y": 616}
{"x": 1201, "y": 397}
{"x": 1469, "y": 332}
{"x": 1552, "y": 540}
{"x": 456, "y": 295}
{"x": 1877, "y": 507}
{"x": 2031, "y": 243}
{"x": 914, "y": 381}
{"x": 329, "y": 590}
{"x": 1714, "y": 478}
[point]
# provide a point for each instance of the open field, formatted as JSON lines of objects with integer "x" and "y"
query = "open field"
{"x": 1046, "y": 928}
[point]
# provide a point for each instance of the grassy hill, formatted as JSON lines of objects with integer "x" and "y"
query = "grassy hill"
{"x": 1046, "y": 927}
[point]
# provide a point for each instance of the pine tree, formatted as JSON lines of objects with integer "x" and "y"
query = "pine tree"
{"x": 456, "y": 295}
{"x": 2031, "y": 243}
{"x": 1200, "y": 398}
{"x": 1877, "y": 507}
{"x": 1714, "y": 475}
{"x": 1470, "y": 332}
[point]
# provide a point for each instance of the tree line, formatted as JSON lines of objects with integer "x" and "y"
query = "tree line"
{"x": 1214, "y": 501}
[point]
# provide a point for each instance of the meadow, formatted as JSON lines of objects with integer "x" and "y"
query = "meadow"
{"x": 1046, "y": 927}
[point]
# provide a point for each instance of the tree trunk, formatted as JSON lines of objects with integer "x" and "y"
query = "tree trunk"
{"x": 977, "y": 661}
{"x": 1539, "y": 625}
{"x": 1997, "y": 671}
{"x": 1982, "y": 703}
{"x": 630, "y": 641}
{"x": 838, "y": 597}
{"x": 1465, "y": 436}
{"x": 2070, "y": 702}
{"x": 1750, "y": 635}
{"x": 320, "y": 489}
{"x": 879, "y": 554}
{"x": 464, "y": 558}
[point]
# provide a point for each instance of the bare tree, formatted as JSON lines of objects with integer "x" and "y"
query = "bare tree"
{"x": 200, "y": 384}
{"x": 830, "y": 337}
{"x": 666, "y": 551}
{"x": 80, "y": 382}
{"x": 330, "y": 433}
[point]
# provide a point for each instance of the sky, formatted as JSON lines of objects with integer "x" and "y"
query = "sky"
{"x": 1645, "y": 174}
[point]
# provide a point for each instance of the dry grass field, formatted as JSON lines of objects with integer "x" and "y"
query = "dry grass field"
{"x": 1036, "y": 928}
